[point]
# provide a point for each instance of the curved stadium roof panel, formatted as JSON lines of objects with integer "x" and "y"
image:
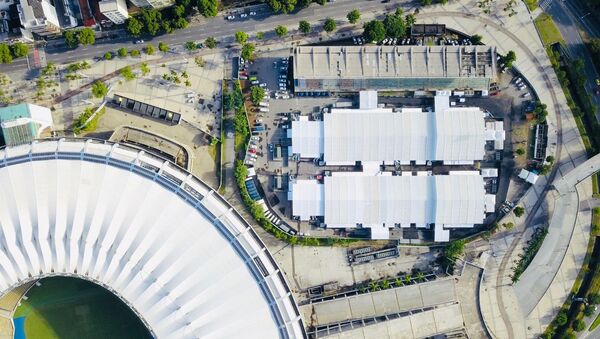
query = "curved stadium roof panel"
{"x": 164, "y": 242}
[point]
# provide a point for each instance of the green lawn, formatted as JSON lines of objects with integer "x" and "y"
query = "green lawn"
{"x": 71, "y": 308}
{"x": 595, "y": 323}
{"x": 531, "y": 4}
{"x": 548, "y": 30}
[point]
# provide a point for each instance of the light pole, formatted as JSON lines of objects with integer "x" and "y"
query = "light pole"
{"x": 588, "y": 13}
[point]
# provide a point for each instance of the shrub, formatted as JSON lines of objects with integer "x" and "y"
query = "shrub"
{"x": 519, "y": 211}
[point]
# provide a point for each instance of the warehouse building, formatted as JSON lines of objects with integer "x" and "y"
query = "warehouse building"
{"x": 393, "y": 68}
{"x": 453, "y": 135}
{"x": 380, "y": 201}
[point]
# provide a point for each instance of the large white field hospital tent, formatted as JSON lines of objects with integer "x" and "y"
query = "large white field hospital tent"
{"x": 160, "y": 239}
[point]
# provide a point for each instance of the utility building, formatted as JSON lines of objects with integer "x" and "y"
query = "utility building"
{"x": 393, "y": 68}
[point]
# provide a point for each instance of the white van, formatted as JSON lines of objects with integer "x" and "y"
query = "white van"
{"x": 263, "y": 109}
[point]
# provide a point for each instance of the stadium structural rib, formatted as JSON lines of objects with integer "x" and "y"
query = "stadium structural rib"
{"x": 159, "y": 238}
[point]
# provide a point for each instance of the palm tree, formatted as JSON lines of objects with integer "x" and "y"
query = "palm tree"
{"x": 398, "y": 282}
{"x": 373, "y": 286}
{"x": 421, "y": 276}
{"x": 408, "y": 279}
{"x": 385, "y": 284}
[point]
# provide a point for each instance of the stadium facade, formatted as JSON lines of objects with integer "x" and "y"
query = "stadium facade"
{"x": 157, "y": 237}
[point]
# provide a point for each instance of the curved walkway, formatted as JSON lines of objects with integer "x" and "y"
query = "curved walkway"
{"x": 537, "y": 279}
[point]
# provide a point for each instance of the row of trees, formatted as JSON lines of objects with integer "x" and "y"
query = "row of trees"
{"x": 16, "y": 50}
{"x": 153, "y": 21}
{"x": 393, "y": 26}
{"x": 85, "y": 36}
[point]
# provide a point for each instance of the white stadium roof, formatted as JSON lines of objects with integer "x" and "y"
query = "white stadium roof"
{"x": 390, "y": 200}
{"x": 454, "y": 134}
{"x": 163, "y": 241}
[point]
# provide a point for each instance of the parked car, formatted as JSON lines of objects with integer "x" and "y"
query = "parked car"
{"x": 230, "y": 17}
{"x": 252, "y": 13}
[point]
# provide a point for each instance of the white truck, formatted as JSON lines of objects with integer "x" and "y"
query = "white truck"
{"x": 263, "y": 104}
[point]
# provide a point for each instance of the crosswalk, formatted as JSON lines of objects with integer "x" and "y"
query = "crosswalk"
{"x": 545, "y": 4}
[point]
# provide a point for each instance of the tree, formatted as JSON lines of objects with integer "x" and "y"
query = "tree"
{"x": 163, "y": 47}
{"x": 107, "y": 56}
{"x": 19, "y": 49}
{"x": 329, "y": 25}
{"x": 180, "y": 23}
{"x": 374, "y": 31}
{"x": 5, "y": 56}
{"x": 135, "y": 52}
{"x": 578, "y": 325}
{"x": 260, "y": 35}
{"x": 476, "y": 39}
{"x": 149, "y": 49}
{"x": 122, "y": 52}
{"x": 520, "y": 151}
{"x": 410, "y": 20}
{"x": 152, "y": 19}
{"x": 257, "y": 94}
{"x": 589, "y": 310}
{"x": 594, "y": 298}
{"x": 127, "y": 73}
{"x": 509, "y": 59}
{"x": 208, "y": 8}
{"x": 395, "y": 26}
{"x": 210, "y": 42}
{"x": 561, "y": 318}
{"x": 508, "y": 225}
{"x": 454, "y": 249}
{"x": 304, "y": 27}
{"x": 283, "y": 6}
{"x": 99, "y": 89}
{"x": 144, "y": 68}
{"x": 134, "y": 26}
{"x": 426, "y": 2}
{"x": 166, "y": 26}
{"x": 281, "y": 31}
{"x": 86, "y": 36}
{"x": 550, "y": 159}
{"x": 353, "y": 16}
{"x": 70, "y": 39}
{"x": 519, "y": 211}
{"x": 545, "y": 170}
{"x": 241, "y": 37}
{"x": 248, "y": 51}
{"x": 190, "y": 46}
{"x": 179, "y": 11}
{"x": 385, "y": 284}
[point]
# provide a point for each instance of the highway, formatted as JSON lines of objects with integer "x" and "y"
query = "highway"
{"x": 568, "y": 18}
{"x": 222, "y": 29}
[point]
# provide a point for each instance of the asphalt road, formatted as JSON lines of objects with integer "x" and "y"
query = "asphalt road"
{"x": 568, "y": 18}
{"x": 222, "y": 29}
